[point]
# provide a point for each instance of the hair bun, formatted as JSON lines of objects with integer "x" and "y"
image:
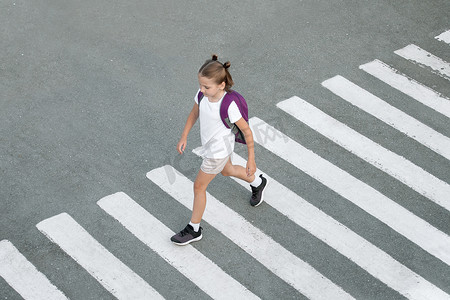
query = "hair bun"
{"x": 214, "y": 57}
{"x": 226, "y": 65}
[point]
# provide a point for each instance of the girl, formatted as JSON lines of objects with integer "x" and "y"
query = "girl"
{"x": 217, "y": 144}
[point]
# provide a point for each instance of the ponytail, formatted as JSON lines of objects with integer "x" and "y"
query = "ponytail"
{"x": 213, "y": 69}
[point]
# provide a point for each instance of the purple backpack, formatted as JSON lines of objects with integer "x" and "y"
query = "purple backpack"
{"x": 243, "y": 108}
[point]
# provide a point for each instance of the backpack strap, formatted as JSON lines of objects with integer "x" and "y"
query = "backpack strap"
{"x": 224, "y": 110}
{"x": 199, "y": 97}
{"x": 243, "y": 109}
{"x": 230, "y": 97}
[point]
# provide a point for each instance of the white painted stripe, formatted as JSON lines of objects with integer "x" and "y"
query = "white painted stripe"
{"x": 395, "y": 165}
{"x": 280, "y": 261}
{"x": 409, "y": 86}
{"x": 389, "y": 114}
{"x": 381, "y": 207}
{"x": 137, "y": 220}
{"x": 445, "y": 37}
{"x": 372, "y": 259}
{"x": 109, "y": 271}
{"x": 422, "y": 57}
{"x": 22, "y": 276}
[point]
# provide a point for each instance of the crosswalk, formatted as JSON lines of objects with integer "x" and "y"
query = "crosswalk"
{"x": 409, "y": 86}
{"x": 389, "y": 162}
{"x": 341, "y": 238}
{"x": 392, "y": 116}
{"x": 297, "y": 272}
{"x": 445, "y": 37}
{"x": 187, "y": 260}
{"x": 115, "y": 276}
{"x": 23, "y": 276}
{"x": 353, "y": 189}
{"x": 271, "y": 254}
{"x": 425, "y": 58}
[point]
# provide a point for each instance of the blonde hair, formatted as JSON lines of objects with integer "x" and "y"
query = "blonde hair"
{"x": 213, "y": 69}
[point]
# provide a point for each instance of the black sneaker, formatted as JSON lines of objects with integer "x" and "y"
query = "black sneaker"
{"x": 258, "y": 192}
{"x": 186, "y": 236}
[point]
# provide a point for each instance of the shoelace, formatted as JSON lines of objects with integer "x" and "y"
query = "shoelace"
{"x": 184, "y": 232}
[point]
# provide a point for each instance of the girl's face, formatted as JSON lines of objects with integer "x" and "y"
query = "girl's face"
{"x": 210, "y": 88}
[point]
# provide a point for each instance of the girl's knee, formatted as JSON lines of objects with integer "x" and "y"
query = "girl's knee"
{"x": 199, "y": 187}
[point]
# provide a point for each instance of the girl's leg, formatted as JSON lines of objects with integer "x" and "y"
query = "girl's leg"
{"x": 200, "y": 185}
{"x": 257, "y": 184}
{"x": 237, "y": 171}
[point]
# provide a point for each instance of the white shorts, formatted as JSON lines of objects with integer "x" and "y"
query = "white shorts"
{"x": 214, "y": 165}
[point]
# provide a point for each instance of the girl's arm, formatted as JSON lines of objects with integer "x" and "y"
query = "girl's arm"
{"x": 251, "y": 164}
{"x": 192, "y": 118}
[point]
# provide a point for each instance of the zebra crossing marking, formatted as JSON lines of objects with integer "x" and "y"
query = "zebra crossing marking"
{"x": 23, "y": 276}
{"x": 418, "y": 55}
{"x": 392, "y": 116}
{"x": 369, "y": 257}
{"x": 187, "y": 260}
{"x": 393, "y": 164}
{"x": 408, "y": 86}
{"x": 109, "y": 271}
{"x": 277, "y": 259}
{"x": 445, "y": 37}
{"x": 367, "y": 198}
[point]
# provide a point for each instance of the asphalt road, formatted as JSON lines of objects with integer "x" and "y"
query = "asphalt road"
{"x": 95, "y": 94}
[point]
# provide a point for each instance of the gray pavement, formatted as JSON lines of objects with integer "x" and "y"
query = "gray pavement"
{"x": 94, "y": 94}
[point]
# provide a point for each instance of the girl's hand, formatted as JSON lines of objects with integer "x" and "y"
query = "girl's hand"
{"x": 251, "y": 168}
{"x": 181, "y": 145}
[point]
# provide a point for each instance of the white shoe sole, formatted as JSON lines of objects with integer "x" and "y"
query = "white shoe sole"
{"x": 190, "y": 241}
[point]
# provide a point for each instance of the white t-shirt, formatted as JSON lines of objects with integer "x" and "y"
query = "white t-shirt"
{"x": 217, "y": 140}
